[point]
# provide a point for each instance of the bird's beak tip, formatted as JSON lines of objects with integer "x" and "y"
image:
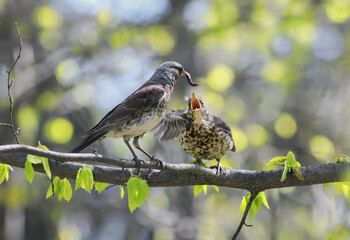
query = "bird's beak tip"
{"x": 195, "y": 103}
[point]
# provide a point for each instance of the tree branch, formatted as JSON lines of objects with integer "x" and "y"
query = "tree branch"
{"x": 245, "y": 214}
{"x": 9, "y": 84}
{"x": 62, "y": 164}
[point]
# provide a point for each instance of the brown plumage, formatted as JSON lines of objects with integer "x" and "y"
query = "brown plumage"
{"x": 140, "y": 112}
{"x": 201, "y": 135}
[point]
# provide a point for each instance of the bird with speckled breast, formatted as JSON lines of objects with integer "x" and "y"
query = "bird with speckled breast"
{"x": 140, "y": 112}
{"x": 200, "y": 134}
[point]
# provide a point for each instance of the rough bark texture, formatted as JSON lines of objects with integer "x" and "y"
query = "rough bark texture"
{"x": 117, "y": 171}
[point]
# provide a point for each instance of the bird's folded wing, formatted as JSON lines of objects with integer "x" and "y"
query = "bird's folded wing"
{"x": 137, "y": 103}
{"x": 221, "y": 124}
{"x": 172, "y": 125}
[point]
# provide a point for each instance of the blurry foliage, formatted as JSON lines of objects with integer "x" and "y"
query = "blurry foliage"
{"x": 275, "y": 71}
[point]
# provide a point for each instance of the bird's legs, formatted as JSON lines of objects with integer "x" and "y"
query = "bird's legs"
{"x": 218, "y": 168}
{"x": 152, "y": 158}
{"x": 136, "y": 159}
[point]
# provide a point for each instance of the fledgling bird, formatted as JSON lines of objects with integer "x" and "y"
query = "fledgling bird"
{"x": 201, "y": 135}
{"x": 140, "y": 112}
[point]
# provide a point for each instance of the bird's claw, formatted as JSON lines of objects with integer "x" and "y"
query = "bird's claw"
{"x": 219, "y": 169}
{"x": 157, "y": 161}
{"x": 138, "y": 163}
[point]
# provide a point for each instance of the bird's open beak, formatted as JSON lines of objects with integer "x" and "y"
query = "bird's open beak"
{"x": 189, "y": 79}
{"x": 195, "y": 103}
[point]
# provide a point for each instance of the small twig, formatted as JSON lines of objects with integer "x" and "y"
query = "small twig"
{"x": 5, "y": 124}
{"x": 9, "y": 84}
{"x": 110, "y": 186}
{"x": 245, "y": 214}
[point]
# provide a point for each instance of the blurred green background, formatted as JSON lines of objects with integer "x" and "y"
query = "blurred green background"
{"x": 275, "y": 70}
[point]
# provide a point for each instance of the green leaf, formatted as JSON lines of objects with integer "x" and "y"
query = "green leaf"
{"x": 205, "y": 187}
{"x": 326, "y": 185}
{"x": 201, "y": 163}
{"x": 60, "y": 189}
{"x": 37, "y": 160}
{"x": 78, "y": 180}
{"x": 64, "y": 189}
{"x": 297, "y": 164}
{"x": 50, "y": 191}
{"x": 85, "y": 179}
{"x": 244, "y": 203}
{"x": 29, "y": 171}
{"x": 290, "y": 159}
{"x": 298, "y": 174}
{"x": 43, "y": 147}
{"x": 264, "y": 201}
{"x": 277, "y": 160}
{"x": 4, "y": 172}
{"x": 256, "y": 205}
{"x": 216, "y": 188}
{"x": 100, "y": 186}
{"x": 121, "y": 191}
{"x": 285, "y": 172}
{"x": 67, "y": 190}
{"x": 34, "y": 159}
{"x": 7, "y": 168}
{"x": 198, "y": 189}
{"x": 137, "y": 192}
{"x": 46, "y": 166}
{"x": 343, "y": 159}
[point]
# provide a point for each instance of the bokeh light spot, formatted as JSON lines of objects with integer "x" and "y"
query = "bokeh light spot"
{"x": 220, "y": 78}
{"x": 214, "y": 102}
{"x": 338, "y": 11}
{"x": 257, "y": 135}
{"x": 321, "y": 147}
{"x": 58, "y": 130}
{"x": 275, "y": 71}
{"x": 161, "y": 40}
{"x": 104, "y": 17}
{"x": 67, "y": 71}
{"x": 47, "y": 100}
{"x": 83, "y": 93}
{"x": 236, "y": 110}
{"x": 301, "y": 29}
{"x": 285, "y": 125}
{"x": 120, "y": 38}
{"x": 222, "y": 13}
{"x": 47, "y": 18}
{"x": 27, "y": 118}
{"x": 50, "y": 38}
{"x": 240, "y": 138}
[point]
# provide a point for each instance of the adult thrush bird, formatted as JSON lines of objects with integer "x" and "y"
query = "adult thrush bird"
{"x": 139, "y": 112}
{"x": 201, "y": 135}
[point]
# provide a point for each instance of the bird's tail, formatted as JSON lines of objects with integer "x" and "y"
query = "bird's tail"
{"x": 86, "y": 142}
{"x": 233, "y": 149}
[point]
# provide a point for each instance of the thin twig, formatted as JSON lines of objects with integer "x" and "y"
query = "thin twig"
{"x": 9, "y": 84}
{"x": 5, "y": 124}
{"x": 245, "y": 214}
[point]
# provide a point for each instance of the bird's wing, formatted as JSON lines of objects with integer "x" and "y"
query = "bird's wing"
{"x": 138, "y": 102}
{"x": 172, "y": 125}
{"x": 221, "y": 124}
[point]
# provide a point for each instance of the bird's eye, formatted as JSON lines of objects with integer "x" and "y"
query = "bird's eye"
{"x": 179, "y": 69}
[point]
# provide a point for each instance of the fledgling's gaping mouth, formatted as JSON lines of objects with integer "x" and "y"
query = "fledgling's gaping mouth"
{"x": 195, "y": 103}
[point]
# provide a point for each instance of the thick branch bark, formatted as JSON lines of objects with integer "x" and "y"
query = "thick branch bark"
{"x": 62, "y": 164}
